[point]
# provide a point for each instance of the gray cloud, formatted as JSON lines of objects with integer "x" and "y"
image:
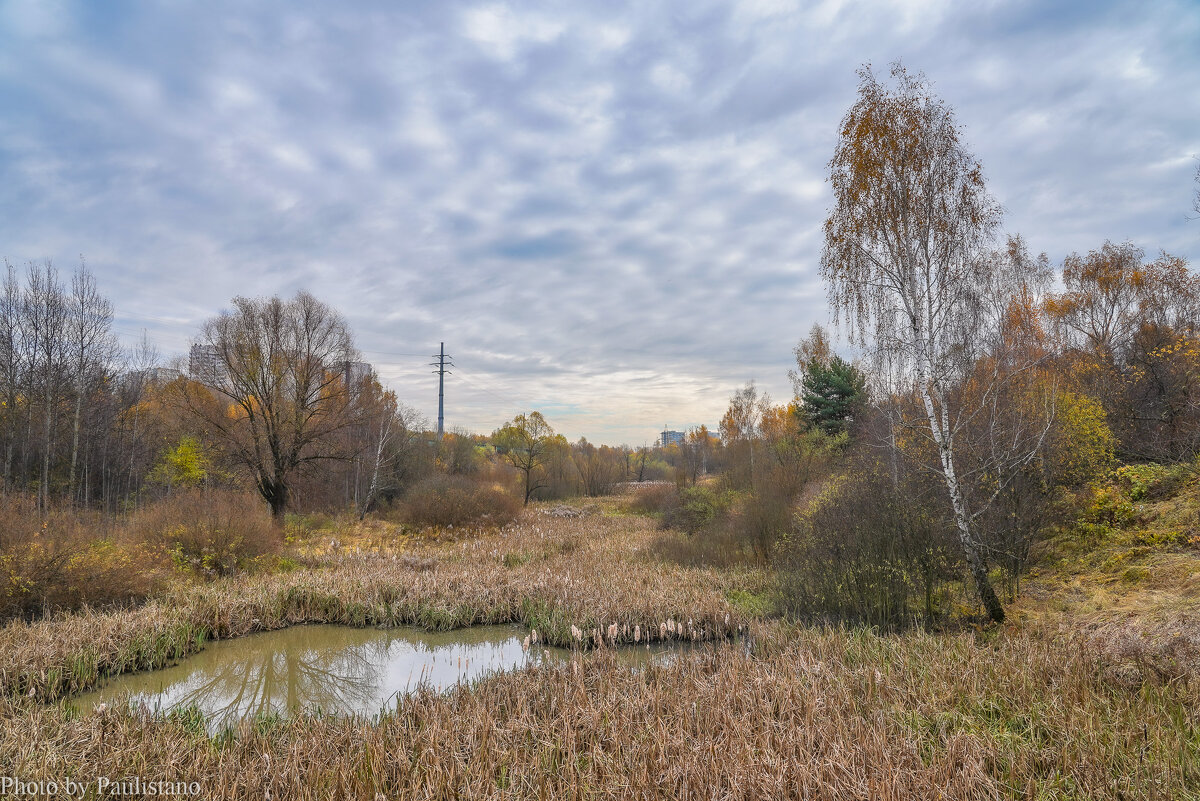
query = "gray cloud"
{"x": 608, "y": 211}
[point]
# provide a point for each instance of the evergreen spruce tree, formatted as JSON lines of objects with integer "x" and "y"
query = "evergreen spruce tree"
{"x": 831, "y": 394}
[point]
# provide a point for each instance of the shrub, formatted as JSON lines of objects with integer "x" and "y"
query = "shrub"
{"x": 759, "y": 521}
{"x": 213, "y": 533}
{"x": 1152, "y": 481}
{"x": 654, "y": 497}
{"x": 443, "y": 500}
{"x": 868, "y": 551}
{"x": 697, "y": 509}
{"x": 1080, "y": 446}
{"x": 54, "y": 561}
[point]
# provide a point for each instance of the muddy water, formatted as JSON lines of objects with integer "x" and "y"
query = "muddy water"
{"x": 334, "y": 669}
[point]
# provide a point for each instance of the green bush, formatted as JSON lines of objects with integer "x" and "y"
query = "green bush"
{"x": 869, "y": 551}
{"x": 698, "y": 508}
{"x": 1151, "y": 481}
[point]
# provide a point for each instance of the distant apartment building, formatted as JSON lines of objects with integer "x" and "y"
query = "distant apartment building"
{"x": 354, "y": 373}
{"x": 204, "y": 363}
{"x": 670, "y": 438}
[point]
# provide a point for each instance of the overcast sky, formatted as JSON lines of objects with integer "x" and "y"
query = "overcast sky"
{"x": 609, "y": 212}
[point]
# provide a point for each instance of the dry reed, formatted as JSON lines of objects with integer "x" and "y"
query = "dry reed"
{"x": 803, "y": 713}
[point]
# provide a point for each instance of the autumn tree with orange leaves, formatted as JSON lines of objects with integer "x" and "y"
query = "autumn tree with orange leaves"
{"x": 1132, "y": 340}
{"x": 909, "y": 266}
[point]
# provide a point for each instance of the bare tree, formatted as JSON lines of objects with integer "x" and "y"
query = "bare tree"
{"x": 395, "y": 431}
{"x": 599, "y": 468}
{"x": 906, "y": 262}
{"x": 741, "y": 427}
{"x": 92, "y": 349}
{"x": 639, "y": 463}
{"x": 1196, "y": 199}
{"x": 274, "y": 369}
{"x": 45, "y": 321}
{"x": 695, "y": 451}
{"x": 12, "y": 365}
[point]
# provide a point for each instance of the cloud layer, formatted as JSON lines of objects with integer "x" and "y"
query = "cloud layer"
{"x": 610, "y": 212}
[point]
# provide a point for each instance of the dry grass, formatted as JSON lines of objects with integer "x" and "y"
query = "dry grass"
{"x": 65, "y": 559}
{"x": 1037, "y": 710}
{"x": 442, "y": 500}
{"x": 818, "y": 714}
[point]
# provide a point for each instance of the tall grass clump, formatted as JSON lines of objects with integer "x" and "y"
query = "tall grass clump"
{"x": 447, "y": 500}
{"x": 209, "y": 532}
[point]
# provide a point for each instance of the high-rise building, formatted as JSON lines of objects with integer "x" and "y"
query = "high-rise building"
{"x": 354, "y": 373}
{"x": 670, "y": 438}
{"x": 204, "y": 363}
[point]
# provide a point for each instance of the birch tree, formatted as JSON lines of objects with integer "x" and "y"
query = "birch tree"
{"x": 909, "y": 267}
{"x": 741, "y": 425}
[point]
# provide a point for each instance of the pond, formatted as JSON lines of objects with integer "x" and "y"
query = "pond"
{"x": 334, "y": 669}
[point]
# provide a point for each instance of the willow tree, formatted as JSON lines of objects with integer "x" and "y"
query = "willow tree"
{"x": 269, "y": 386}
{"x": 908, "y": 265}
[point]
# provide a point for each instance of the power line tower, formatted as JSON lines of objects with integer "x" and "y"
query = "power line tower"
{"x": 443, "y": 362}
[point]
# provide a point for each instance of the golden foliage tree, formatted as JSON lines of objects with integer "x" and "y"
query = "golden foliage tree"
{"x": 907, "y": 264}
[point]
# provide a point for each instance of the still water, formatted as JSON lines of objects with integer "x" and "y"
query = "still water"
{"x": 334, "y": 669}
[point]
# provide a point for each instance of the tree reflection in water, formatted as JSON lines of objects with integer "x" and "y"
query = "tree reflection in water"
{"x": 331, "y": 668}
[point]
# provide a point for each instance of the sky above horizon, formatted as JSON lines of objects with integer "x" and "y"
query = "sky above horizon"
{"x": 609, "y": 212}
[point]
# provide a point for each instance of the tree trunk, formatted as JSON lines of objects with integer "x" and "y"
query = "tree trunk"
{"x": 276, "y": 495}
{"x": 939, "y": 428}
{"x": 374, "y": 488}
{"x": 45, "y": 487}
{"x": 75, "y": 444}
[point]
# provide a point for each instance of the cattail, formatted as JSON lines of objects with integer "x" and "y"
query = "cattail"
{"x": 533, "y": 636}
{"x": 576, "y": 633}
{"x": 612, "y": 632}
{"x": 637, "y": 633}
{"x": 525, "y": 643}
